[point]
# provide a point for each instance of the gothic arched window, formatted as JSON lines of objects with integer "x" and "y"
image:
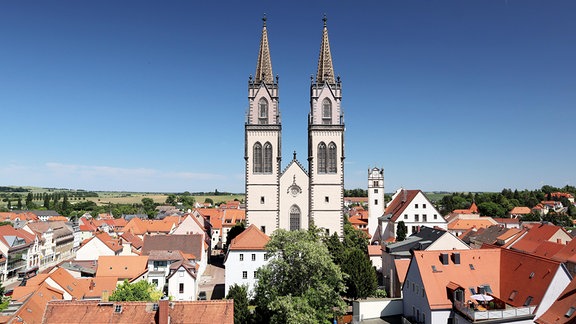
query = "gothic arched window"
{"x": 332, "y": 158}
{"x": 267, "y": 158}
{"x": 326, "y": 111}
{"x": 294, "y": 218}
{"x": 263, "y": 111}
{"x": 257, "y": 158}
{"x": 321, "y": 157}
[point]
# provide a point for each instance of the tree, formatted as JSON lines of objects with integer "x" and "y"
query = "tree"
{"x": 361, "y": 281}
{"x": 4, "y": 300}
{"x": 233, "y": 232}
{"x": 354, "y": 238}
{"x": 401, "y": 231}
{"x": 29, "y": 203}
{"x": 239, "y": 293}
{"x": 149, "y": 207}
{"x": 300, "y": 283}
{"x": 171, "y": 199}
{"x": 335, "y": 247}
{"x": 139, "y": 291}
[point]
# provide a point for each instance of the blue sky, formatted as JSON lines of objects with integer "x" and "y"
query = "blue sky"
{"x": 152, "y": 95}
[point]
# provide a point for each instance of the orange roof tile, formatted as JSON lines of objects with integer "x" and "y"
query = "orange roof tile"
{"x": 402, "y": 200}
{"x": 250, "y": 239}
{"x": 32, "y": 310}
{"x": 520, "y": 211}
{"x": 557, "y": 312}
{"x": 402, "y": 268}
{"x": 536, "y": 235}
{"x": 121, "y": 266}
{"x": 374, "y": 250}
{"x": 464, "y": 224}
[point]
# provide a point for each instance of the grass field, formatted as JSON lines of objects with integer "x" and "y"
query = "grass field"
{"x": 136, "y": 198}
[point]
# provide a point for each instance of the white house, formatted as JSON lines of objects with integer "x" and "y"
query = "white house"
{"x": 246, "y": 255}
{"x": 414, "y": 209}
{"x": 182, "y": 283}
{"x": 465, "y": 286}
{"x": 100, "y": 245}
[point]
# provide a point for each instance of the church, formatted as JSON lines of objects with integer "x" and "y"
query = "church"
{"x": 295, "y": 197}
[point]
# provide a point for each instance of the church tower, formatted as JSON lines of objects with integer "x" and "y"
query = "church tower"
{"x": 376, "y": 203}
{"x": 326, "y": 145}
{"x": 262, "y": 151}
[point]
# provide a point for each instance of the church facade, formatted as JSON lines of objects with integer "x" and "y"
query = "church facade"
{"x": 296, "y": 197}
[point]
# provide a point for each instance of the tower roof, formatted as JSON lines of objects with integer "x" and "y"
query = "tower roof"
{"x": 264, "y": 64}
{"x": 325, "y": 68}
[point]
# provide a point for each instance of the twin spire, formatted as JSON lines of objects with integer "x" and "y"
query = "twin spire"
{"x": 264, "y": 73}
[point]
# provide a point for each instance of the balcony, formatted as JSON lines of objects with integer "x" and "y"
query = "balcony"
{"x": 481, "y": 313}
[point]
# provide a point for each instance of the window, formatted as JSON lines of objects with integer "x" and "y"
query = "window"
{"x": 155, "y": 282}
{"x": 257, "y": 157}
{"x": 118, "y": 309}
{"x": 435, "y": 216}
{"x": 531, "y": 275}
{"x": 294, "y": 218}
{"x": 181, "y": 288}
{"x": 263, "y": 111}
{"x": 472, "y": 290}
{"x": 513, "y": 295}
{"x": 244, "y": 274}
{"x": 375, "y": 201}
{"x": 262, "y": 199}
{"x": 327, "y": 199}
{"x": 423, "y": 205}
{"x": 321, "y": 157}
{"x": 528, "y": 301}
{"x": 253, "y": 256}
{"x": 375, "y": 183}
{"x": 241, "y": 256}
{"x": 570, "y": 311}
{"x": 332, "y": 158}
{"x": 267, "y": 158}
{"x": 181, "y": 273}
{"x": 414, "y": 229}
{"x": 375, "y": 190}
{"x": 415, "y": 205}
{"x": 424, "y": 218}
{"x": 255, "y": 274}
{"x": 405, "y": 216}
{"x": 326, "y": 112}
{"x": 266, "y": 256}
{"x": 416, "y": 217}
{"x": 263, "y": 229}
{"x": 471, "y": 266}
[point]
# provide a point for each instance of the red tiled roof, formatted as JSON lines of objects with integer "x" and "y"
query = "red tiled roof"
{"x": 556, "y": 313}
{"x": 193, "y": 312}
{"x": 250, "y": 239}
{"x": 520, "y": 211}
{"x": 402, "y": 200}
{"x": 536, "y": 236}
{"x": 121, "y": 266}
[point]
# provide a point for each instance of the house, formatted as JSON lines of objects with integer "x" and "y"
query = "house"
{"x": 56, "y": 239}
{"x": 161, "y": 312}
{"x": 538, "y": 234}
{"x": 508, "y": 222}
{"x": 520, "y": 211}
{"x": 141, "y": 227}
{"x": 413, "y": 209}
{"x": 461, "y": 225}
{"x": 30, "y": 307}
{"x": 567, "y": 255}
{"x": 188, "y": 244}
{"x": 131, "y": 244}
{"x": 182, "y": 280}
{"x": 44, "y": 215}
{"x": 163, "y": 264}
{"x": 100, "y": 245}
{"x": 245, "y": 256}
{"x": 21, "y": 253}
{"x": 560, "y": 195}
{"x": 396, "y": 256}
{"x": 375, "y": 255}
{"x": 466, "y": 286}
{"x": 563, "y": 310}
{"x": 357, "y": 201}
{"x": 359, "y": 219}
{"x": 123, "y": 267}
{"x": 489, "y": 235}
{"x": 191, "y": 224}
{"x": 473, "y": 209}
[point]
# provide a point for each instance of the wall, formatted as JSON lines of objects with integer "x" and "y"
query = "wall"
{"x": 376, "y": 308}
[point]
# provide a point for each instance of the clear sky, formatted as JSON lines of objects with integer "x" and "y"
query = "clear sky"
{"x": 151, "y": 95}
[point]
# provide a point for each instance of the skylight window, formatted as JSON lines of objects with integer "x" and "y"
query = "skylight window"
{"x": 570, "y": 311}
{"x": 528, "y": 301}
{"x": 471, "y": 266}
{"x": 513, "y": 295}
{"x": 118, "y": 309}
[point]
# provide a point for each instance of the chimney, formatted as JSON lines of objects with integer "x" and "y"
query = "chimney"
{"x": 105, "y": 296}
{"x": 163, "y": 317}
{"x": 92, "y": 285}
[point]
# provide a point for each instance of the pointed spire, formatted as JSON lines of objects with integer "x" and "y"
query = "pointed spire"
{"x": 264, "y": 64}
{"x": 325, "y": 68}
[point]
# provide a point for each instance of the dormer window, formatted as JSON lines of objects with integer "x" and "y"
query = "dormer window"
{"x": 263, "y": 112}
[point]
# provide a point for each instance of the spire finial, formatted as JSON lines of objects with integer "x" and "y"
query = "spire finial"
{"x": 264, "y": 20}
{"x": 294, "y": 154}
{"x": 324, "y": 19}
